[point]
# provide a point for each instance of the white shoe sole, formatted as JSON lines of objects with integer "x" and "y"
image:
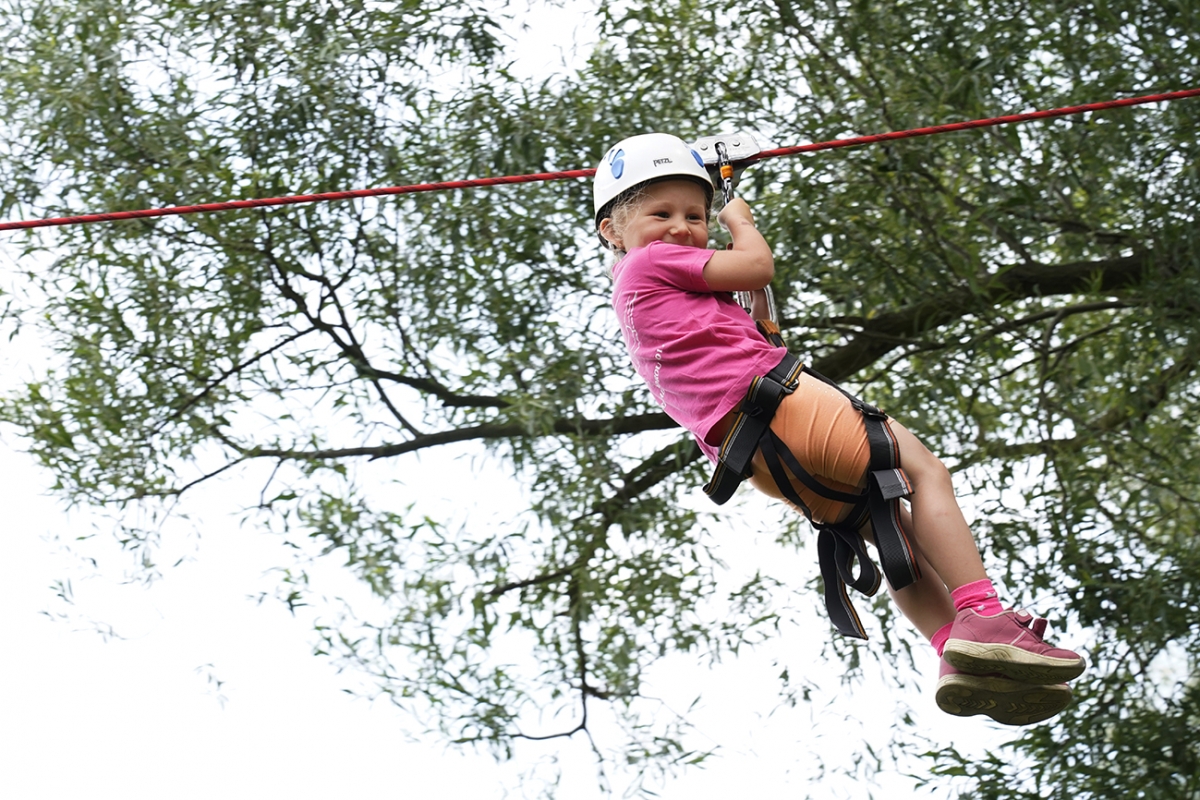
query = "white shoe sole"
{"x": 1005, "y": 701}
{"x": 986, "y": 658}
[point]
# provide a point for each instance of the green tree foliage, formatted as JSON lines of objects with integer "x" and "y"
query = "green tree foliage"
{"x": 1025, "y": 298}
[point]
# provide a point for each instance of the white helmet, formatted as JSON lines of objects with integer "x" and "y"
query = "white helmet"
{"x": 634, "y": 162}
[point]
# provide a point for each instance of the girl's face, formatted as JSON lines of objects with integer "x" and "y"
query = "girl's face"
{"x": 672, "y": 211}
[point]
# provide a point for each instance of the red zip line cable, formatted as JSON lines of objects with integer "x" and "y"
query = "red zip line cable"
{"x": 978, "y": 123}
{"x": 587, "y": 173}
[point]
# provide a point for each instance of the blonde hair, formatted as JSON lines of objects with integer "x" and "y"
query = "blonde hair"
{"x": 621, "y": 211}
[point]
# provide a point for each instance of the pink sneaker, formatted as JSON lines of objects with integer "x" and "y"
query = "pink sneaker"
{"x": 1006, "y": 701}
{"x": 1009, "y": 644}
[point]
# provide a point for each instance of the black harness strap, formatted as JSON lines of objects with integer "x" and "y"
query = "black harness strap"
{"x": 886, "y": 484}
{"x": 837, "y": 549}
{"x": 770, "y": 331}
{"x": 752, "y": 421}
{"x": 838, "y": 545}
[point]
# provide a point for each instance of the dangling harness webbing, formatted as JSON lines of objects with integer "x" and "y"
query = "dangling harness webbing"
{"x": 840, "y": 544}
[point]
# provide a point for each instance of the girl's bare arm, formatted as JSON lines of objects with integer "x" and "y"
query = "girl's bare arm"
{"x": 749, "y": 264}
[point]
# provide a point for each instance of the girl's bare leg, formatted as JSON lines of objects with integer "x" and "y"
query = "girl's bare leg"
{"x": 938, "y": 526}
{"x": 945, "y": 548}
{"x": 926, "y": 603}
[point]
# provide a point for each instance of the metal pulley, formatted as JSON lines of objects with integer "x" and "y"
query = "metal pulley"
{"x": 721, "y": 151}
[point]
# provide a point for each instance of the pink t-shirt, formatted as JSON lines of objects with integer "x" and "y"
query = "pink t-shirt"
{"x": 696, "y": 349}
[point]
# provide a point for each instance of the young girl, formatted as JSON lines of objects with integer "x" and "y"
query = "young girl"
{"x": 699, "y": 352}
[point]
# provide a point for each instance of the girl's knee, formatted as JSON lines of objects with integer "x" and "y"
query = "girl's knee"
{"x": 930, "y": 472}
{"x": 921, "y": 465}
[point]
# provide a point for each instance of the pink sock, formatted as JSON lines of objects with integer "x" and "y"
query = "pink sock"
{"x": 938, "y": 640}
{"x": 979, "y": 595}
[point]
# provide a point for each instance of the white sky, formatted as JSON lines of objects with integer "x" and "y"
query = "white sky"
{"x": 137, "y": 717}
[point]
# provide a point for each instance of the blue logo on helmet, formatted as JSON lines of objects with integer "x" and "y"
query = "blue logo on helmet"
{"x": 616, "y": 161}
{"x": 696, "y": 156}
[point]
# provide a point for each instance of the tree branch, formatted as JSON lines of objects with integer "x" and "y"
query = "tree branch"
{"x": 580, "y": 427}
{"x": 430, "y": 386}
{"x": 656, "y": 468}
{"x": 1153, "y": 395}
{"x": 879, "y": 334}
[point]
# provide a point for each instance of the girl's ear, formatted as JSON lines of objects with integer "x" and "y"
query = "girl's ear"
{"x": 610, "y": 236}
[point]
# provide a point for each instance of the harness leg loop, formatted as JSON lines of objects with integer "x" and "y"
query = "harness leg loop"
{"x": 839, "y": 545}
